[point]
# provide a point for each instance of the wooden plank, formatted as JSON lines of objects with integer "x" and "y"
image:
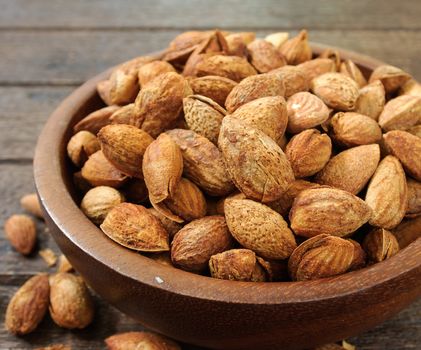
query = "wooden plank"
{"x": 22, "y": 116}
{"x": 199, "y": 14}
{"x": 63, "y": 57}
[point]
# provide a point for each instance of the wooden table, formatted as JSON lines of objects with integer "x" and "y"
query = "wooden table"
{"x": 47, "y": 48}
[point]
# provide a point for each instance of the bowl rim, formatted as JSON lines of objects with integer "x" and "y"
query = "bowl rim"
{"x": 63, "y": 211}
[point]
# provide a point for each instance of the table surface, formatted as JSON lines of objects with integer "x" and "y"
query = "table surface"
{"x": 47, "y": 48}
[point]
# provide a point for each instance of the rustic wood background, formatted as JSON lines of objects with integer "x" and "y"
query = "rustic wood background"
{"x": 48, "y": 47}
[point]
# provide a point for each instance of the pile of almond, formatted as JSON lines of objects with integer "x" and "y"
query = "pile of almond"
{"x": 253, "y": 160}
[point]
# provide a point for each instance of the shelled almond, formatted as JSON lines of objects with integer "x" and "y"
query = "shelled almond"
{"x": 295, "y": 152}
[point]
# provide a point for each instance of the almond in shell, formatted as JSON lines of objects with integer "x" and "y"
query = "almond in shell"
{"x": 170, "y": 226}
{"x": 380, "y": 244}
{"x": 259, "y": 228}
{"x": 96, "y": 120}
{"x": 371, "y": 100}
{"x": 140, "y": 341}
{"x": 316, "y": 67}
{"x": 277, "y": 39}
{"x": 297, "y": 49}
{"x": 124, "y": 115}
{"x": 414, "y": 198}
{"x": 124, "y": 86}
{"x": 81, "y": 145}
{"x": 391, "y": 77}
{"x": 350, "y": 69}
{"x": 264, "y": 56}
{"x": 294, "y": 79}
{"x": 103, "y": 90}
{"x": 401, "y": 113}
{"x": 408, "y": 231}
{"x": 21, "y": 232}
{"x": 151, "y": 70}
{"x": 214, "y": 87}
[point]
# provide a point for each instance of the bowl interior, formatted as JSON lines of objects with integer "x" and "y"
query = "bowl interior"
{"x": 53, "y": 175}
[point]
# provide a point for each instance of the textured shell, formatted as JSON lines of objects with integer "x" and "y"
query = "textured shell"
{"x": 327, "y": 210}
{"x": 371, "y": 100}
{"x": 28, "y": 305}
{"x": 170, "y": 226}
{"x": 268, "y": 114}
{"x": 71, "y": 304}
{"x": 162, "y": 168}
{"x": 308, "y": 152}
{"x": 264, "y": 56}
{"x": 203, "y": 163}
{"x": 407, "y": 148}
{"x": 350, "y": 170}
{"x": 140, "y": 341}
{"x": 124, "y": 86}
{"x": 414, "y": 198}
{"x": 21, "y": 232}
{"x": 214, "y": 87}
{"x": 380, "y": 244}
{"x": 81, "y": 145}
{"x": 134, "y": 227}
{"x": 297, "y": 50}
{"x": 236, "y": 265}
{"x": 195, "y": 243}
{"x": 305, "y": 111}
{"x": 387, "y": 194}
{"x": 284, "y": 204}
{"x": 352, "y": 129}
{"x": 160, "y": 102}
{"x": 98, "y": 171}
{"x": 316, "y": 67}
{"x": 231, "y": 67}
{"x": 203, "y": 116}
{"x": 350, "y": 69}
{"x": 96, "y": 120}
{"x": 391, "y": 77}
{"x": 186, "y": 203}
{"x": 151, "y": 70}
{"x": 259, "y": 228}
{"x": 124, "y": 146}
{"x": 360, "y": 257}
{"x": 294, "y": 79}
{"x": 257, "y": 165}
{"x": 319, "y": 257}
{"x": 408, "y": 231}
{"x": 98, "y": 201}
{"x": 123, "y": 115}
{"x": 336, "y": 90}
{"x": 252, "y": 88}
{"x": 401, "y": 113}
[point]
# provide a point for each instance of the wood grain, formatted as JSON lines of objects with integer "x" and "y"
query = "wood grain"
{"x": 248, "y": 14}
{"x": 63, "y": 57}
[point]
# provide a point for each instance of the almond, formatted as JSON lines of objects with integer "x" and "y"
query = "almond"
{"x": 371, "y": 100}
{"x": 334, "y": 56}
{"x": 252, "y": 88}
{"x": 123, "y": 115}
{"x": 140, "y": 341}
{"x": 275, "y": 270}
{"x": 316, "y": 67}
{"x": 151, "y": 70}
{"x": 305, "y": 111}
{"x": 411, "y": 87}
{"x": 21, "y": 232}
{"x": 360, "y": 256}
{"x": 391, "y": 77}
{"x": 320, "y": 257}
{"x": 183, "y": 45}
{"x": 336, "y": 90}
{"x": 308, "y": 152}
{"x": 259, "y": 228}
{"x": 236, "y": 265}
{"x": 81, "y": 146}
{"x": 408, "y": 231}
{"x": 231, "y": 67}
{"x": 203, "y": 116}
{"x": 28, "y": 305}
{"x": 96, "y": 120}
{"x": 257, "y": 165}
{"x": 31, "y": 204}
{"x": 268, "y": 114}
{"x": 98, "y": 201}
{"x": 134, "y": 227}
{"x": 48, "y": 256}
{"x": 277, "y": 39}
{"x": 64, "y": 264}
{"x": 297, "y": 50}
{"x": 103, "y": 90}
{"x": 170, "y": 226}
{"x": 350, "y": 170}
{"x": 124, "y": 86}
{"x": 414, "y": 198}
{"x": 294, "y": 79}
{"x": 327, "y": 210}
{"x": 160, "y": 102}
{"x": 195, "y": 243}
{"x": 71, "y": 304}
{"x": 124, "y": 146}
{"x": 415, "y": 130}
{"x": 407, "y": 148}
{"x": 55, "y": 347}
{"x": 214, "y": 87}
{"x": 162, "y": 168}
{"x": 351, "y": 129}
{"x": 380, "y": 244}
{"x": 350, "y": 69}
{"x": 387, "y": 194}
{"x": 401, "y": 113}
{"x": 98, "y": 171}
{"x": 264, "y": 56}
{"x": 203, "y": 163}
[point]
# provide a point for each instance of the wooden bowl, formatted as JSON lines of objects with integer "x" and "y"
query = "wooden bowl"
{"x": 200, "y": 310}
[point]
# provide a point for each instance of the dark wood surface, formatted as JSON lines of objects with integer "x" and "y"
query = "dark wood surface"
{"x": 49, "y": 47}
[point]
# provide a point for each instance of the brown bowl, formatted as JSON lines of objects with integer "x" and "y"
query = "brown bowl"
{"x": 200, "y": 310}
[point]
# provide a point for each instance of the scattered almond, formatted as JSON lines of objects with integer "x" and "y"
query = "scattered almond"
{"x": 31, "y": 204}
{"x": 20, "y": 230}
{"x": 49, "y": 256}
{"x": 140, "y": 341}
